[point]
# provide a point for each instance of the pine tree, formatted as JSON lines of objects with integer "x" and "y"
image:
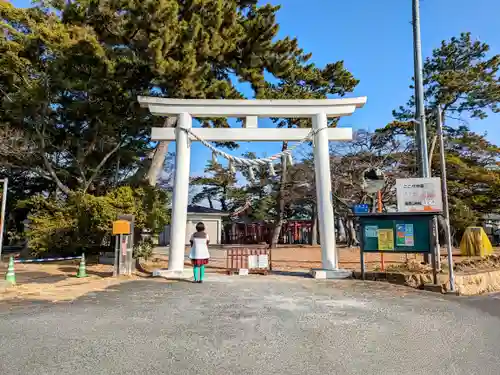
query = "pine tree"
{"x": 461, "y": 77}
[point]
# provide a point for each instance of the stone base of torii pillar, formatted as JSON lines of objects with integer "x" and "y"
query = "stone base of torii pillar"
{"x": 184, "y": 274}
{"x": 319, "y": 273}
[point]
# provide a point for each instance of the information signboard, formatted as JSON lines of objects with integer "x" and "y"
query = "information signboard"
{"x": 419, "y": 194}
{"x": 396, "y": 232}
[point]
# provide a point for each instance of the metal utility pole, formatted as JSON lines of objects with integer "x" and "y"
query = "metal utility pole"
{"x": 421, "y": 139}
{"x": 444, "y": 188}
{"x": 419, "y": 92}
{"x": 2, "y": 213}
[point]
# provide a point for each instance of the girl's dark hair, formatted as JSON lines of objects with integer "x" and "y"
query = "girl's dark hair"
{"x": 200, "y": 227}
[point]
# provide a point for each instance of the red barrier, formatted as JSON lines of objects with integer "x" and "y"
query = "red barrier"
{"x": 238, "y": 258}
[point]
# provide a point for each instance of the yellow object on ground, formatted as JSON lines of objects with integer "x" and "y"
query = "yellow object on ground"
{"x": 475, "y": 242}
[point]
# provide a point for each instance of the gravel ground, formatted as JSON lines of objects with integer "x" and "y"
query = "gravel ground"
{"x": 489, "y": 304}
{"x": 253, "y": 325}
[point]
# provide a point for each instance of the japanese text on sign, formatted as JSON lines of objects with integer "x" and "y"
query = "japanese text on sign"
{"x": 419, "y": 194}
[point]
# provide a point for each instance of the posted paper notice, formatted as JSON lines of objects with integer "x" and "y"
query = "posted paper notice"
{"x": 385, "y": 239}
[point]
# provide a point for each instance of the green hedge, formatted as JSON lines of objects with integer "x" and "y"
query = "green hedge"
{"x": 82, "y": 222}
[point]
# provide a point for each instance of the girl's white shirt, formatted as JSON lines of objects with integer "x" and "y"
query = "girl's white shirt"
{"x": 199, "y": 250}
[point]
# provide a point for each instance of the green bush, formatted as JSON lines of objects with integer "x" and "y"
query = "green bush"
{"x": 144, "y": 249}
{"x": 82, "y": 222}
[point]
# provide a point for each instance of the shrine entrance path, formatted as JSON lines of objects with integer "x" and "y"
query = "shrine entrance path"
{"x": 252, "y": 325}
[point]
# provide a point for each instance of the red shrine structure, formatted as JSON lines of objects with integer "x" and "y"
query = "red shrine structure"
{"x": 242, "y": 230}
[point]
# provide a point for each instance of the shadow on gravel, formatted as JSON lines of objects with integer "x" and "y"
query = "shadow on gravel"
{"x": 303, "y": 274}
{"x": 32, "y": 277}
{"x": 74, "y": 270}
{"x": 487, "y": 303}
{"x": 109, "y": 294}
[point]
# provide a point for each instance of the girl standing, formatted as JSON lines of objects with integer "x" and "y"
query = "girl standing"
{"x": 199, "y": 254}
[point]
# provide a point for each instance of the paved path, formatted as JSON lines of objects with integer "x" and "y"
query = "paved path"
{"x": 253, "y": 325}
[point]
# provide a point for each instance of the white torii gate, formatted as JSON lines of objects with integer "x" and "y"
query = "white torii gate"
{"x": 318, "y": 110}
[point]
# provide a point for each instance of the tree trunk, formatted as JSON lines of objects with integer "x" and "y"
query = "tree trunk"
{"x": 351, "y": 235}
{"x": 341, "y": 230}
{"x": 159, "y": 156}
{"x": 352, "y": 230}
{"x": 347, "y": 233}
{"x": 314, "y": 225}
{"x": 275, "y": 235}
{"x": 223, "y": 202}
{"x": 281, "y": 202}
{"x": 431, "y": 150}
{"x": 442, "y": 230}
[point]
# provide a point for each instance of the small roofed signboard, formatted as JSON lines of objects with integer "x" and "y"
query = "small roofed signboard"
{"x": 419, "y": 194}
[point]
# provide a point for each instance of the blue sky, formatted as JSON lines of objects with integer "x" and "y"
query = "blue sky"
{"x": 374, "y": 38}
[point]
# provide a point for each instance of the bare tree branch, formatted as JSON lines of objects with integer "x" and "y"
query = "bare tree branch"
{"x": 100, "y": 165}
{"x": 48, "y": 164}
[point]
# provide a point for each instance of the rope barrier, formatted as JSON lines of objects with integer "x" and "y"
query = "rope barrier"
{"x": 42, "y": 260}
{"x": 255, "y": 162}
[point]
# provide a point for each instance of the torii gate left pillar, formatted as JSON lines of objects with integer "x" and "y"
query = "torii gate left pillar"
{"x": 317, "y": 110}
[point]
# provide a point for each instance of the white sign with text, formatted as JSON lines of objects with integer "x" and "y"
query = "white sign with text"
{"x": 419, "y": 194}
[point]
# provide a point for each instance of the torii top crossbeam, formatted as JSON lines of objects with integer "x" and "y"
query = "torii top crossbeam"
{"x": 258, "y": 107}
{"x": 250, "y": 110}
